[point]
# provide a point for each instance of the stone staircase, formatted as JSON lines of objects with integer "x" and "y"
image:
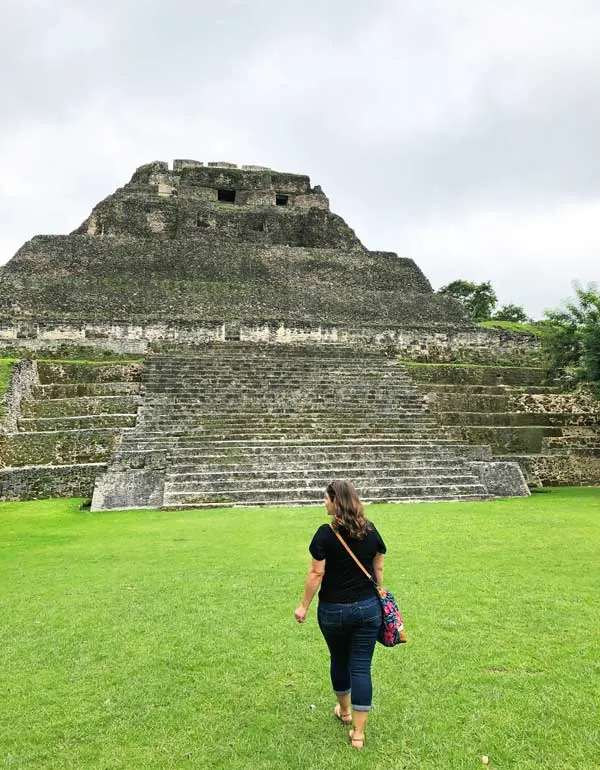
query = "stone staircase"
{"x": 554, "y": 435}
{"x": 249, "y": 424}
{"x": 65, "y": 424}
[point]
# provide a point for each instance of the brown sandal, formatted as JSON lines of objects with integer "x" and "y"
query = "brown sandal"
{"x": 357, "y": 743}
{"x": 345, "y": 719}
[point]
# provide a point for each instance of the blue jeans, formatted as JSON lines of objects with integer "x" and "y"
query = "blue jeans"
{"x": 350, "y": 631}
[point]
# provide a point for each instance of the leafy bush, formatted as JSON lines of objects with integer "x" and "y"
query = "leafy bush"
{"x": 511, "y": 312}
{"x": 477, "y": 299}
{"x": 571, "y": 338}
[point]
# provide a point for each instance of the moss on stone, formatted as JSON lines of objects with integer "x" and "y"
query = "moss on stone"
{"x": 512, "y": 326}
{"x": 6, "y": 367}
{"x": 58, "y": 448}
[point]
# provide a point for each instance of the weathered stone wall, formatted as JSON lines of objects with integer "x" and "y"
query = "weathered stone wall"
{"x": 39, "y": 482}
{"x": 218, "y": 244}
{"x": 265, "y": 207}
{"x": 553, "y": 435}
{"x": 207, "y": 281}
{"x": 411, "y": 343}
{"x": 58, "y": 447}
{"x": 489, "y": 375}
{"x": 544, "y": 470}
{"x": 581, "y": 402}
{"x": 23, "y": 377}
{"x": 91, "y": 371}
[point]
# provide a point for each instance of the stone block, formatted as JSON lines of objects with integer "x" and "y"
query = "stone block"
{"x": 180, "y": 164}
{"x": 123, "y": 490}
{"x": 501, "y": 479}
{"x": 38, "y": 482}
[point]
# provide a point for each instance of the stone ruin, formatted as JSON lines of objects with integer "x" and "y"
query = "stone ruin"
{"x": 216, "y": 244}
{"x": 276, "y": 355}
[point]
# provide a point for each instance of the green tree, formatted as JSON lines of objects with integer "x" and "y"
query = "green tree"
{"x": 511, "y": 313}
{"x": 478, "y": 299}
{"x": 571, "y": 337}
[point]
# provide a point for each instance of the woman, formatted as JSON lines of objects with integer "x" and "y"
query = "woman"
{"x": 349, "y": 613}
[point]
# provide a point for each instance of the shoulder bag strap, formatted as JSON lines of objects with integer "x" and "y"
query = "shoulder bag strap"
{"x": 343, "y": 542}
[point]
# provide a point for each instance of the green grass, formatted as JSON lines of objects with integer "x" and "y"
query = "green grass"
{"x": 149, "y": 639}
{"x": 513, "y": 326}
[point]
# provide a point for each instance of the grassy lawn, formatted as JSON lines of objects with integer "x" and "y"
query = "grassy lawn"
{"x": 149, "y": 639}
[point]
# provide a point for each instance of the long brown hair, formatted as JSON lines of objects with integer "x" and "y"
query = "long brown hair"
{"x": 349, "y": 512}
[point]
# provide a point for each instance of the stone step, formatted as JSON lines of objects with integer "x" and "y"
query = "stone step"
{"x": 58, "y": 447}
{"x": 78, "y": 422}
{"x": 335, "y": 467}
{"x": 462, "y": 374}
{"x": 374, "y": 368}
{"x": 314, "y": 401}
{"x": 463, "y": 402}
{"x": 516, "y": 419}
{"x": 284, "y": 417}
{"x": 286, "y": 480}
{"x": 197, "y": 443}
{"x": 290, "y": 456}
{"x": 301, "y": 405}
{"x": 302, "y": 396}
{"x": 271, "y": 384}
{"x": 503, "y": 440}
{"x": 185, "y": 420}
{"x": 302, "y": 367}
{"x": 84, "y": 405}
{"x": 499, "y": 390}
{"x": 296, "y": 431}
{"x": 299, "y": 502}
{"x": 61, "y": 372}
{"x": 258, "y": 362}
{"x": 255, "y": 350}
{"x": 283, "y": 422}
{"x": 82, "y": 389}
{"x": 285, "y": 437}
{"x": 310, "y": 492}
{"x": 174, "y": 405}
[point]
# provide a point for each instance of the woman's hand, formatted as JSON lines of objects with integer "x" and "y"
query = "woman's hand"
{"x": 300, "y": 613}
{"x": 313, "y": 581}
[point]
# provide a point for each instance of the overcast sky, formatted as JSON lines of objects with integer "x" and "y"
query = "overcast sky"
{"x": 463, "y": 134}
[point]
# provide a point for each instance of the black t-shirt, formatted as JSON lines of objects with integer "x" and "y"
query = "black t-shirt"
{"x": 343, "y": 581}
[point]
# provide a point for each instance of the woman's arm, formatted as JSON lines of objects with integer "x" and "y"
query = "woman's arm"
{"x": 313, "y": 581}
{"x": 378, "y": 568}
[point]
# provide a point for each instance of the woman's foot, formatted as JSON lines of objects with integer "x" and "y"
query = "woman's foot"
{"x": 344, "y": 718}
{"x": 357, "y": 740}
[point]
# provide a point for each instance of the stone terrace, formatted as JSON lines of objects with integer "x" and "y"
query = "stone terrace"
{"x": 552, "y": 434}
{"x": 64, "y": 426}
{"x": 251, "y": 424}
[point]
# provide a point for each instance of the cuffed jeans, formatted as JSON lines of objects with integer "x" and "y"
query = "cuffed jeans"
{"x": 350, "y": 631}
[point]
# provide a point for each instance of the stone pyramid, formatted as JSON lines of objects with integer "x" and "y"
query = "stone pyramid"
{"x": 217, "y": 243}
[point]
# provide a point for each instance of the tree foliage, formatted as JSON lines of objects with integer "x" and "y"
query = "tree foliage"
{"x": 571, "y": 337}
{"x": 511, "y": 313}
{"x": 478, "y": 299}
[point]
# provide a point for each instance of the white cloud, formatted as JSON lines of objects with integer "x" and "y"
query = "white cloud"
{"x": 463, "y": 134}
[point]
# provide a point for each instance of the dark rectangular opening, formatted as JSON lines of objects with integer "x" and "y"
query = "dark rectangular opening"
{"x": 281, "y": 200}
{"x": 226, "y": 196}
